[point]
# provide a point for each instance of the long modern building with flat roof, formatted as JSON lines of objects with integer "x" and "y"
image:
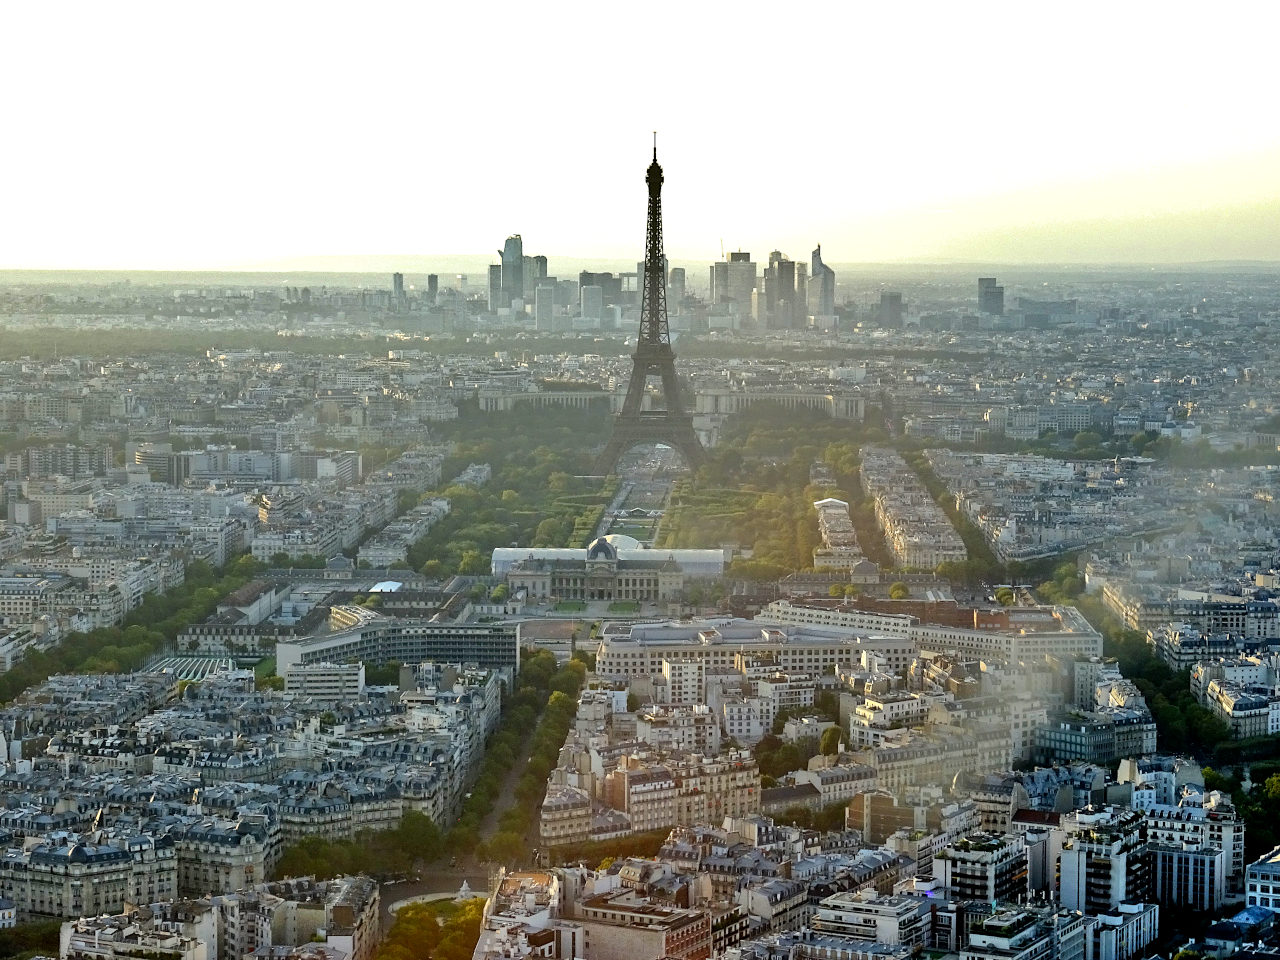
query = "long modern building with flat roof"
{"x": 1024, "y": 633}
{"x": 638, "y": 649}
{"x": 378, "y": 640}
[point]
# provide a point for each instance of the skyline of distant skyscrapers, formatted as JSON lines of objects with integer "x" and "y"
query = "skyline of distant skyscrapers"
{"x": 515, "y": 278}
{"x": 555, "y": 305}
{"x": 784, "y": 296}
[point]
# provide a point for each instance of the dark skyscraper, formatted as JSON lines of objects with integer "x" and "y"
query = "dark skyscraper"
{"x": 990, "y": 297}
{"x": 892, "y": 309}
{"x": 780, "y": 291}
{"x": 535, "y": 271}
{"x": 512, "y": 254}
{"x": 397, "y": 287}
{"x": 496, "y": 292}
{"x": 433, "y": 288}
{"x": 654, "y": 357}
{"x": 610, "y": 286}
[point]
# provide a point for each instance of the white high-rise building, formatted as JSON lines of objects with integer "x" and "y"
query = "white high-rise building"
{"x": 1104, "y": 860}
{"x": 734, "y": 280}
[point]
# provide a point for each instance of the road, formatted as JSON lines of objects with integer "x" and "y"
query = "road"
{"x": 434, "y": 880}
{"x": 439, "y": 878}
{"x": 606, "y": 520}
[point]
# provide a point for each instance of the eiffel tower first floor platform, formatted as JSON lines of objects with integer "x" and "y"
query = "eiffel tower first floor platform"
{"x": 672, "y": 429}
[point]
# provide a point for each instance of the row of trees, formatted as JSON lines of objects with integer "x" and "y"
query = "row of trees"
{"x": 1198, "y": 453}
{"x": 755, "y": 490}
{"x": 1256, "y": 807}
{"x": 778, "y": 757}
{"x": 540, "y": 494}
{"x": 1096, "y": 445}
{"x": 604, "y": 852}
{"x": 537, "y": 704}
{"x": 517, "y": 824}
{"x": 541, "y": 690}
{"x": 147, "y": 630}
{"x": 975, "y": 543}
{"x": 826, "y": 819}
{"x": 40, "y": 937}
{"x": 383, "y": 854}
{"x": 1182, "y": 724}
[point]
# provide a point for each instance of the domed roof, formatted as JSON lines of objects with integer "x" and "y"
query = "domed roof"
{"x": 601, "y": 549}
{"x": 621, "y": 541}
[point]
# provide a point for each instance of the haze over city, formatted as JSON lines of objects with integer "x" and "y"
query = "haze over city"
{"x": 290, "y": 136}
{"x": 651, "y": 482}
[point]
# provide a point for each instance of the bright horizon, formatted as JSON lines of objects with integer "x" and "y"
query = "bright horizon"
{"x": 241, "y": 137}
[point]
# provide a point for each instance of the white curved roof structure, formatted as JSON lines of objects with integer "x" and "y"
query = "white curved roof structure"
{"x": 693, "y": 563}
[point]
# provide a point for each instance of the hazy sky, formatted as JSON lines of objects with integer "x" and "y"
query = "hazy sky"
{"x": 230, "y": 135}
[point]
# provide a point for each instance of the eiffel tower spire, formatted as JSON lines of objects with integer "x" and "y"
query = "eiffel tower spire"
{"x": 670, "y": 425}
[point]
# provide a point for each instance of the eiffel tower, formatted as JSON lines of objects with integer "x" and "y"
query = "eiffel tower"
{"x": 671, "y": 425}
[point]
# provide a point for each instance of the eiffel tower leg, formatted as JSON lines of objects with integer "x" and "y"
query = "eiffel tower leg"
{"x": 633, "y": 403}
{"x": 607, "y": 461}
{"x": 676, "y": 432}
{"x": 690, "y": 448}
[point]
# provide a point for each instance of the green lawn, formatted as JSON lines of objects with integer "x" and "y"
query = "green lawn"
{"x": 266, "y": 667}
{"x": 441, "y": 909}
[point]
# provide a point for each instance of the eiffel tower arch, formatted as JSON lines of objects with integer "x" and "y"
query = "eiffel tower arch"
{"x": 653, "y": 358}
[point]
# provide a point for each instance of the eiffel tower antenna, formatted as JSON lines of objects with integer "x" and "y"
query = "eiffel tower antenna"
{"x": 653, "y": 357}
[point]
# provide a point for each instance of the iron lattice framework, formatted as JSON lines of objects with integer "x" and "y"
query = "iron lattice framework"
{"x": 672, "y": 424}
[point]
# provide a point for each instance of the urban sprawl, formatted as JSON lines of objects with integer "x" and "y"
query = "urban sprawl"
{"x": 964, "y": 641}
